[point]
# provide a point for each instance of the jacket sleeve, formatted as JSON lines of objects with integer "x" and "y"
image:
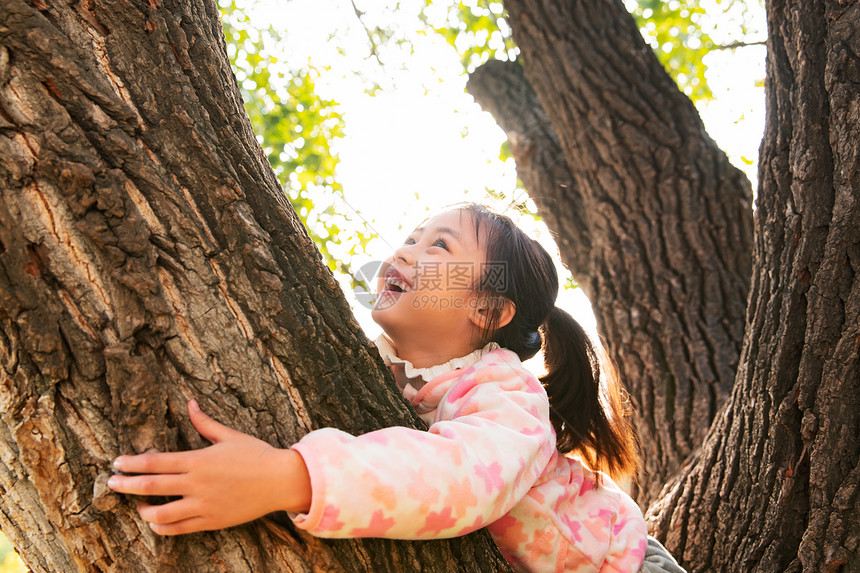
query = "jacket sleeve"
{"x": 490, "y": 442}
{"x": 628, "y": 540}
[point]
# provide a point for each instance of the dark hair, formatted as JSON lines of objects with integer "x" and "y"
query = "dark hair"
{"x": 585, "y": 396}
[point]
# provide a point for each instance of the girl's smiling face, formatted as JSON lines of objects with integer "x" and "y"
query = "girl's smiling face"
{"x": 426, "y": 302}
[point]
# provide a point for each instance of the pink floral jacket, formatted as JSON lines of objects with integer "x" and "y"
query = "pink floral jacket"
{"x": 488, "y": 460}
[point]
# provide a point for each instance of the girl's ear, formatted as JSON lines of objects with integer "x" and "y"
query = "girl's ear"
{"x": 486, "y": 308}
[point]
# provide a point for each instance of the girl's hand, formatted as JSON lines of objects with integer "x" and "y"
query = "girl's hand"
{"x": 237, "y": 479}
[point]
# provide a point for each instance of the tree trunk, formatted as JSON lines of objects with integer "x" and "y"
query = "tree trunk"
{"x": 147, "y": 256}
{"x": 653, "y": 220}
{"x": 502, "y": 89}
{"x": 775, "y": 486}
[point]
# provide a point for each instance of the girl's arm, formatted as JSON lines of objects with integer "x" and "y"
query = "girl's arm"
{"x": 490, "y": 443}
{"x": 237, "y": 479}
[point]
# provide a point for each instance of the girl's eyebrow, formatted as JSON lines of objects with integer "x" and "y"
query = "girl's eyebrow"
{"x": 439, "y": 230}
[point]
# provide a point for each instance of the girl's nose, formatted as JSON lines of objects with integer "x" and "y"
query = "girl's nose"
{"x": 404, "y": 254}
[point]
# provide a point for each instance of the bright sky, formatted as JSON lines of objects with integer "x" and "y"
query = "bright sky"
{"x": 421, "y": 143}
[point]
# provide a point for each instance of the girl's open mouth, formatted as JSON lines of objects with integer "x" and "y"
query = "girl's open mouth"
{"x": 395, "y": 281}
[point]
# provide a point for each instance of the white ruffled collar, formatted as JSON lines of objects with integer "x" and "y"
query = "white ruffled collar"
{"x": 386, "y": 350}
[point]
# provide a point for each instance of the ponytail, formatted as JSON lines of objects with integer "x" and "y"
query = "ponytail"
{"x": 585, "y": 397}
{"x": 586, "y": 404}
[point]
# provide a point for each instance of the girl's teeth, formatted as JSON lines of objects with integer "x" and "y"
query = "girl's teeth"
{"x": 401, "y": 286}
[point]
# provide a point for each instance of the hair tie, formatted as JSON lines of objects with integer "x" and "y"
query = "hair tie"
{"x": 533, "y": 339}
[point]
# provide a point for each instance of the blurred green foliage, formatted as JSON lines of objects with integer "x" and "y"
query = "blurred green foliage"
{"x": 9, "y": 560}
{"x": 477, "y": 29}
{"x": 672, "y": 29}
{"x": 296, "y": 128}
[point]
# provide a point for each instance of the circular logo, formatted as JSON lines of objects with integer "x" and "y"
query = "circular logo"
{"x": 367, "y": 275}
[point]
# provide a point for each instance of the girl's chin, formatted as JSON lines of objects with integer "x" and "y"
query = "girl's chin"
{"x": 386, "y": 321}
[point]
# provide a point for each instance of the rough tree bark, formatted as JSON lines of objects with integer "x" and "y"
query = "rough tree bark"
{"x": 652, "y": 219}
{"x": 147, "y": 255}
{"x": 776, "y": 485}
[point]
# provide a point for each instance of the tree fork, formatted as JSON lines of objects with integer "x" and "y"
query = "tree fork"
{"x": 653, "y": 220}
{"x": 147, "y": 256}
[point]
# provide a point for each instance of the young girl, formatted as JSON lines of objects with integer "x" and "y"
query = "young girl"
{"x": 462, "y": 302}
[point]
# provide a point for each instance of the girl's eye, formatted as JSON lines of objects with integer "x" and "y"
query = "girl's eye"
{"x": 440, "y": 243}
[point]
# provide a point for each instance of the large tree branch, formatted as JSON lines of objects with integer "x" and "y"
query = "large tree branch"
{"x": 502, "y": 89}
{"x": 148, "y": 255}
{"x": 662, "y": 231}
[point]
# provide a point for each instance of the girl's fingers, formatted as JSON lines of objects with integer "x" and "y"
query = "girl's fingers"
{"x": 168, "y": 513}
{"x": 165, "y": 484}
{"x": 191, "y": 525}
{"x": 208, "y": 428}
{"x": 155, "y": 463}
